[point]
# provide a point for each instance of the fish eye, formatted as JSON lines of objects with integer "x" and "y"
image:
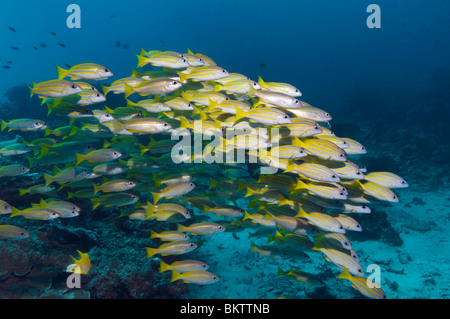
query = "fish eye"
{"x": 74, "y": 86}
{"x": 204, "y": 266}
{"x": 165, "y": 124}
{"x": 192, "y": 245}
{"x": 394, "y": 197}
{"x": 215, "y": 277}
{"x": 358, "y": 173}
{"x": 174, "y": 82}
{"x": 296, "y": 91}
{"x": 115, "y": 153}
{"x": 224, "y": 71}
{"x": 85, "y": 171}
{"x": 53, "y": 214}
{"x": 130, "y": 183}
{"x": 359, "y": 270}
{"x": 363, "y": 148}
{"x": 24, "y": 168}
{"x": 98, "y": 94}
{"x": 327, "y": 114}
{"x": 106, "y": 70}
{"x": 341, "y": 155}
{"x": 316, "y": 127}
{"x": 133, "y": 196}
{"x": 296, "y": 102}
{"x": 74, "y": 212}
{"x": 403, "y": 182}
{"x": 342, "y": 194}
{"x": 37, "y": 123}
{"x": 191, "y": 184}
{"x": 6, "y": 207}
{"x": 286, "y": 117}
{"x": 333, "y": 176}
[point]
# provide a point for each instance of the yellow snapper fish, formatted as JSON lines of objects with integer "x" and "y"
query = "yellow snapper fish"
{"x": 115, "y": 185}
{"x": 35, "y": 213}
{"x": 341, "y": 260}
{"x": 169, "y": 235}
{"x": 118, "y": 86}
{"x": 173, "y": 190}
{"x": 166, "y": 59}
{"x": 83, "y": 98}
{"x": 68, "y": 174}
{"x": 15, "y": 149}
{"x": 115, "y": 199}
{"x": 305, "y": 277}
{"x": 199, "y": 277}
{"x": 279, "y": 87}
{"x": 183, "y": 266}
{"x": 55, "y": 88}
{"x": 81, "y": 265}
{"x": 323, "y": 149}
{"x": 386, "y": 179}
{"x": 102, "y": 155}
{"x": 166, "y": 207}
{"x": 203, "y": 73}
{"x": 12, "y": 232}
{"x": 85, "y": 71}
{"x": 153, "y": 87}
{"x": 275, "y": 99}
{"x": 360, "y": 284}
{"x": 204, "y": 228}
{"x": 24, "y": 125}
{"x": 36, "y": 189}
{"x": 308, "y": 112}
{"x": 143, "y": 125}
{"x": 178, "y": 247}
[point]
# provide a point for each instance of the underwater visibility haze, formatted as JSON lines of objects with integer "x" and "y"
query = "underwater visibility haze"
{"x": 224, "y": 149}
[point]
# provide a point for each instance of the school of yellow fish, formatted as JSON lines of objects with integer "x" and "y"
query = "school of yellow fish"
{"x": 277, "y": 166}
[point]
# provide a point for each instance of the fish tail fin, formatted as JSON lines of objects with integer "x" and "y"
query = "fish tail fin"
{"x": 217, "y": 87}
{"x": 32, "y": 90}
{"x": 95, "y": 203}
{"x": 105, "y": 89}
{"x": 130, "y": 103}
{"x": 250, "y": 192}
{"x": 116, "y": 126}
{"x": 22, "y": 191}
{"x": 345, "y": 274}
{"x": 163, "y": 266}
{"x": 141, "y": 60}
{"x": 183, "y": 76}
{"x": 261, "y": 82}
{"x": 281, "y": 272}
{"x": 175, "y": 276}
{"x": 128, "y": 90}
{"x": 301, "y": 213}
{"x": 297, "y": 142}
{"x": 150, "y": 211}
{"x": 80, "y": 158}
{"x": 15, "y": 212}
{"x": 48, "y": 179}
{"x": 3, "y": 125}
{"x": 62, "y": 73}
{"x": 156, "y": 197}
{"x": 44, "y": 149}
{"x": 246, "y": 216}
{"x": 96, "y": 188}
{"x": 181, "y": 228}
{"x": 153, "y": 234}
{"x": 240, "y": 113}
{"x": 184, "y": 123}
{"x": 70, "y": 195}
{"x": 151, "y": 251}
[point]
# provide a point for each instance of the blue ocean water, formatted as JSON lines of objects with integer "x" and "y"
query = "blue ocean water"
{"x": 387, "y": 88}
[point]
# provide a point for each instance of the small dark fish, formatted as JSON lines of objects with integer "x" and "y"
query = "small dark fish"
{"x": 125, "y": 46}
{"x": 12, "y": 29}
{"x": 67, "y": 66}
{"x": 52, "y": 33}
{"x": 118, "y": 44}
{"x": 9, "y": 62}
{"x": 162, "y": 41}
{"x": 113, "y": 16}
{"x": 262, "y": 64}
{"x": 42, "y": 45}
{"x": 62, "y": 45}
{"x": 6, "y": 67}
{"x": 15, "y": 48}
{"x": 34, "y": 47}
